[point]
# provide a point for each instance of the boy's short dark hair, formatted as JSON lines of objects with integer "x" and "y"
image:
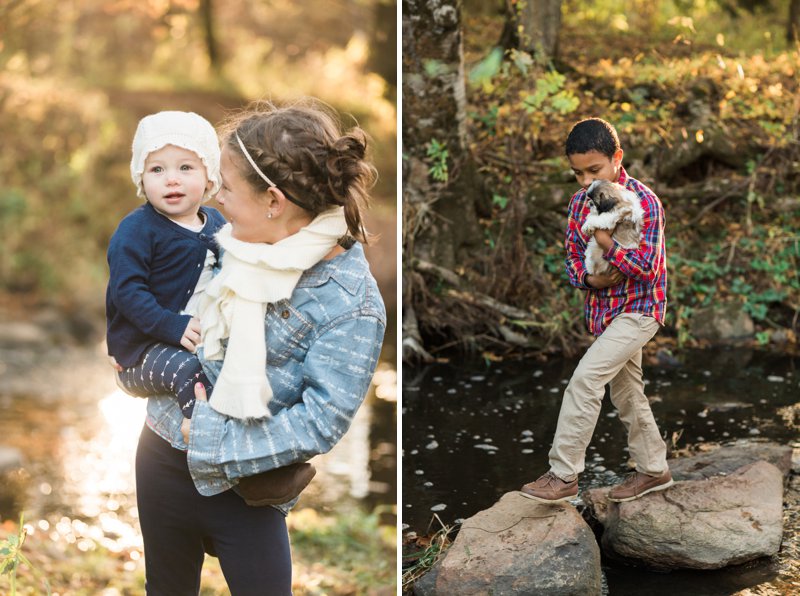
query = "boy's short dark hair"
{"x": 592, "y": 134}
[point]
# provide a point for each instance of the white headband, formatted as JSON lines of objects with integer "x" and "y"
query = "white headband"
{"x": 267, "y": 180}
{"x": 252, "y": 163}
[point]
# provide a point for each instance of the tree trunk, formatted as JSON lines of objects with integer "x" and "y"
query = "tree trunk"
{"x": 440, "y": 224}
{"x": 383, "y": 44}
{"x": 793, "y": 24}
{"x": 509, "y": 37}
{"x": 539, "y": 23}
{"x": 207, "y": 16}
{"x": 439, "y": 215}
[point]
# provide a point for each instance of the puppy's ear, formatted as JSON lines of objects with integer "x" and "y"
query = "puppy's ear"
{"x": 590, "y": 192}
{"x": 605, "y": 201}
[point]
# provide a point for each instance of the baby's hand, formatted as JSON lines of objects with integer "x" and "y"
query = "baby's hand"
{"x": 191, "y": 335}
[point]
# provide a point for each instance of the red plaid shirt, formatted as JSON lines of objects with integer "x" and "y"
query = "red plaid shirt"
{"x": 644, "y": 289}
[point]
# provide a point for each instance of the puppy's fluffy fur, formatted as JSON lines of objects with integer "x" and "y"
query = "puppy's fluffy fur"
{"x": 613, "y": 208}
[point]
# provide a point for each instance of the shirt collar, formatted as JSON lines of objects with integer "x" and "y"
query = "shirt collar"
{"x": 623, "y": 176}
{"x": 347, "y": 269}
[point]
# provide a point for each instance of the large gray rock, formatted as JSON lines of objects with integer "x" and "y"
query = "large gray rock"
{"x": 722, "y": 323}
{"x": 518, "y": 546}
{"x": 725, "y": 460}
{"x": 697, "y": 524}
{"x": 426, "y": 585}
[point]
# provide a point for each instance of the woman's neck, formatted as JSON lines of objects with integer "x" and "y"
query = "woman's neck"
{"x": 335, "y": 252}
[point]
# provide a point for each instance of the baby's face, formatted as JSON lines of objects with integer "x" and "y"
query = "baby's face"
{"x": 175, "y": 182}
{"x": 594, "y": 165}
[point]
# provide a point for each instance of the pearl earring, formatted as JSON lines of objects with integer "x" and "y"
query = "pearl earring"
{"x": 269, "y": 215}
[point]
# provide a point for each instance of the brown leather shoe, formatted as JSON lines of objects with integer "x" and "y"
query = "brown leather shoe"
{"x": 549, "y": 488}
{"x": 277, "y": 486}
{"x": 637, "y": 485}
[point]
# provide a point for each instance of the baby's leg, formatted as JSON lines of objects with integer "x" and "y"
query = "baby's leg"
{"x": 166, "y": 369}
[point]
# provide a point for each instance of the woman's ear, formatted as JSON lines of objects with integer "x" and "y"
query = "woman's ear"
{"x": 276, "y": 201}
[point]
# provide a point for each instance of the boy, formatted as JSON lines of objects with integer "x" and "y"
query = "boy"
{"x": 624, "y": 310}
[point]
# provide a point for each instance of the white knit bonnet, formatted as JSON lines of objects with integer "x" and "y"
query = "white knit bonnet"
{"x": 182, "y": 129}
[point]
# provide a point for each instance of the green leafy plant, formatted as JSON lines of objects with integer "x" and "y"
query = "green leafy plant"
{"x": 552, "y": 258}
{"x": 483, "y": 72}
{"x": 438, "y": 153}
{"x": 488, "y": 238}
{"x": 11, "y": 558}
{"x": 549, "y": 95}
{"x": 435, "y": 68}
{"x": 500, "y": 201}
{"x": 487, "y": 120}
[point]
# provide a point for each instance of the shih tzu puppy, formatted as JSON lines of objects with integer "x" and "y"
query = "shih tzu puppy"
{"x": 616, "y": 209}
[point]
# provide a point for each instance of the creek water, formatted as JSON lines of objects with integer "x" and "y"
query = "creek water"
{"x": 473, "y": 431}
{"x": 77, "y": 434}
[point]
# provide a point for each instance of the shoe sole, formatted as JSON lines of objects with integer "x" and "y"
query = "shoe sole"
{"x": 640, "y": 495}
{"x": 547, "y": 501}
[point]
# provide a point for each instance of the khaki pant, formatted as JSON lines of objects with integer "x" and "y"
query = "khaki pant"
{"x": 616, "y": 358}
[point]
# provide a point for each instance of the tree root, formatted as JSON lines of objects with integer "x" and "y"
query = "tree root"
{"x": 413, "y": 351}
{"x": 505, "y": 322}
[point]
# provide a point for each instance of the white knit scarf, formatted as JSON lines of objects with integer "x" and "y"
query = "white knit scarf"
{"x": 253, "y": 275}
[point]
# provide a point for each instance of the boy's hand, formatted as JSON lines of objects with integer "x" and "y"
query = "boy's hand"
{"x": 605, "y": 280}
{"x": 191, "y": 335}
{"x": 114, "y": 364}
{"x": 604, "y": 239}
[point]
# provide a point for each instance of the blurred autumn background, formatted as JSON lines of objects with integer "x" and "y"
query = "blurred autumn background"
{"x": 704, "y": 95}
{"x": 75, "y": 78}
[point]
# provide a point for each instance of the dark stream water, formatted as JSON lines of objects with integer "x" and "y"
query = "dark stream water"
{"x": 473, "y": 432}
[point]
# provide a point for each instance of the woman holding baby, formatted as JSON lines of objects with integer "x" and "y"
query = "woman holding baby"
{"x": 294, "y": 279}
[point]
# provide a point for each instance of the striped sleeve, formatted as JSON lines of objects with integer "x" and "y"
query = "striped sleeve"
{"x": 337, "y": 372}
{"x": 575, "y": 245}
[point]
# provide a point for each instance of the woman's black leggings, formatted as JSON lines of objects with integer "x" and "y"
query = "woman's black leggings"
{"x": 179, "y": 525}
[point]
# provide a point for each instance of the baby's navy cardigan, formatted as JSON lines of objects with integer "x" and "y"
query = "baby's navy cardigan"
{"x": 154, "y": 266}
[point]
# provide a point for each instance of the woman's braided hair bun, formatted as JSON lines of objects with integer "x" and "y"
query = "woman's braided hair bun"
{"x": 350, "y": 176}
{"x": 302, "y": 149}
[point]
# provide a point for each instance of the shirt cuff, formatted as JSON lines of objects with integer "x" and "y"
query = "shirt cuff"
{"x": 615, "y": 254}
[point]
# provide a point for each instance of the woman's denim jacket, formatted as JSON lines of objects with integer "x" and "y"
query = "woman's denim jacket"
{"x": 322, "y": 349}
